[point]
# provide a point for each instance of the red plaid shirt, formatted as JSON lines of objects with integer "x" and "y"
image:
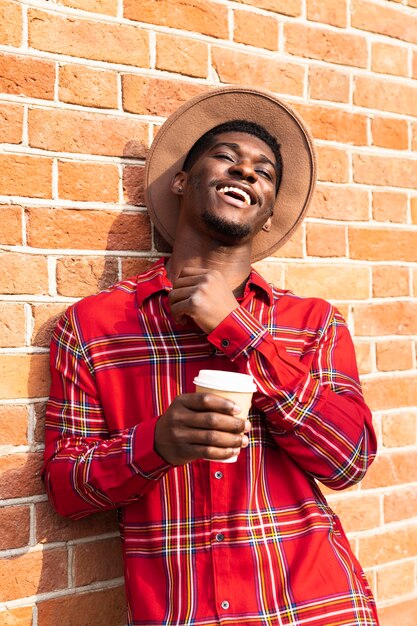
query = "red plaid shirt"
{"x": 252, "y": 542}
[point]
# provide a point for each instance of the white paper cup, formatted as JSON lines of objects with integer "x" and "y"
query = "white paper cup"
{"x": 231, "y": 385}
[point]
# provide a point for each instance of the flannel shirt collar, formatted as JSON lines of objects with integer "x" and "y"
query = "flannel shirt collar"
{"x": 155, "y": 280}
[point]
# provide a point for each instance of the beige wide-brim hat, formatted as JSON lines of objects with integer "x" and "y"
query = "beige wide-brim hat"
{"x": 209, "y": 109}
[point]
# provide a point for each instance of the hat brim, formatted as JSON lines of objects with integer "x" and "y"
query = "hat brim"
{"x": 202, "y": 113}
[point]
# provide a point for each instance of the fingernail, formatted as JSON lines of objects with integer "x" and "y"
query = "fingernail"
{"x": 248, "y": 426}
{"x": 237, "y": 409}
{"x": 245, "y": 441}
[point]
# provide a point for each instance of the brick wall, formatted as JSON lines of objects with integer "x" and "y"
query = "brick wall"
{"x": 85, "y": 85}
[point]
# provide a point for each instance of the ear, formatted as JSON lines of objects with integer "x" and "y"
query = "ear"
{"x": 267, "y": 226}
{"x": 178, "y": 183}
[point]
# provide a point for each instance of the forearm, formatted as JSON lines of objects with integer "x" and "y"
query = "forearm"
{"x": 83, "y": 475}
{"x": 313, "y": 403}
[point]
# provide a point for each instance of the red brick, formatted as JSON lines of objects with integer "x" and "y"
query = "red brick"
{"x": 45, "y": 318}
{"x": 294, "y": 247}
{"x": 382, "y": 244}
{"x": 390, "y": 133}
{"x": 13, "y": 425}
{"x": 25, "y": 176}
{"x": 328, "y": 84}
{"x": 393, "y": 22}
{"x": 403, "y": 613}
{"x": 391, "y": 393}
{"x": 15, "y": 527}
{"x": 333, "y": 165}
{"x": 51, "y": 527}
{"x": 39, "y": 430}
{"x": 400, "y": 504}
{"x": 88, "y": 182}
{"x": 272, "y": 271}
{"x": 385, "y": 95}
{"x": 106, "y": 606}
{"x": 11, "y": 225}
{"x": 340, "y": 203}
{"x": 131, "y": 266}
{"x": 82, "y": 276}
{"x": 326, "y": 45}
{"x": 93, "y": 230}
{"x": 12, "y": 325}
{"x": 205, "y": 17}
{"x": 414, "y": 139}
{"x": 32, "y": 573}
{"x": 389, "y": 59}
{"x": 233, "y": 66}
{"x": 82, "y": 85}
{"x": 133, "y": 184}
{"x": 25, "y": 76}
{"x": 285, "y": 7}
{"x": 390, "y": 281}
{"x": 17, "y": 617}
{"x": 335, "y": 282}
{"x": 390, "y": 171}
{"x": 24, "y": 376}
{"x": 107, "y": 7}
{"x": 394, "y": 355}
{"x": 326, "y": 240}
{"x": 88, "y": 39}
{"x": 414, "y": 68}
{"x": 413, "y": 203}
{"x": 332, "y": 12}
{"x": 386, "y": 546}
{"x": 393, "y": 468}
{"x": 399, "y": 429}
{"x": 154, "y": 96}
{"x": 335, "y": 125}
{"x": 394, "y": 580}
{"x": 21, "y": 476}
{"x": 98, "y": 560}
{"x": 387, "y": 318}
{"x": 389, "y": 206}
{"x": 364, "y": 358}
{"x": 11, "y": 122}
{"x": 254, "y": 29}
{"x": 90, "y": 133}
{"x": 190, "y": 58}
{"x": 23, "y": 274}
{"x": 357, "y": 512}
{"x": 11, "y": 25}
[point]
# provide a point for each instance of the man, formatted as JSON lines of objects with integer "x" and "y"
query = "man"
{"x": 207, "y": 543}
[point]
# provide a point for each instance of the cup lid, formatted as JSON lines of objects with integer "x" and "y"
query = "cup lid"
{"x": 225, "y": 381}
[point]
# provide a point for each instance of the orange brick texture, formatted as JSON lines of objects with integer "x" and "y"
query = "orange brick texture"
{"x": 85, "y": 85}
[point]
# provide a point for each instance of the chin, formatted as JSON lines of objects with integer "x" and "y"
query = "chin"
{"x": 225, "y": 228}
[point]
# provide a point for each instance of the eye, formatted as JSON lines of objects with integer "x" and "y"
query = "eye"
{"x": 266, "y": 173}
{"x": 223, "y": 155}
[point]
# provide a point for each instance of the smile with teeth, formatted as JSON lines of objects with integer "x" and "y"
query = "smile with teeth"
{"x": 237, "y": 193}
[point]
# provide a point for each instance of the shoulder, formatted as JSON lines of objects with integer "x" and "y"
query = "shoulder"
{"x": 304, "y": 312}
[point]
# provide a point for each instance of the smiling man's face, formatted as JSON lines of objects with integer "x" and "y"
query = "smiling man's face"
{"x": 230, "y": 190}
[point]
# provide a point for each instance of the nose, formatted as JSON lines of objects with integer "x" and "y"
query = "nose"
{"x": 244, "y": 169}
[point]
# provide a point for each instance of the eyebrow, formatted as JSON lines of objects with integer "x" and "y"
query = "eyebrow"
{"x": 236, "y": 148}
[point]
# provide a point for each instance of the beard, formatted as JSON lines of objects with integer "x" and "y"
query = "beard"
{"x": 226, "y": 229}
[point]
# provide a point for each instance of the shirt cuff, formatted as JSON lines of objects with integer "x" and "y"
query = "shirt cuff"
{"x": 144, "y": 460}
{"x": 238, "y": 332}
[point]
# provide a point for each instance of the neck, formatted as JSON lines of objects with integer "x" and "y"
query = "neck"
{"x": 233, "y": 262}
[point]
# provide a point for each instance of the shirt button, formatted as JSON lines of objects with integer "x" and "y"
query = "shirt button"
{"x": 225, "y": 343}
{"x": 219, "y": 537}
{"x": 225, "y": 604}
{"x": 218, "y": 475}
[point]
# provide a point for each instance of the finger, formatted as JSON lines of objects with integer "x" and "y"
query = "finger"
{"x": 212, "y": 438}
{"x": 208, "y": 402}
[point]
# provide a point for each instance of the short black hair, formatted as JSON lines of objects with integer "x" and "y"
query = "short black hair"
{"x": 242, "y": 126}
